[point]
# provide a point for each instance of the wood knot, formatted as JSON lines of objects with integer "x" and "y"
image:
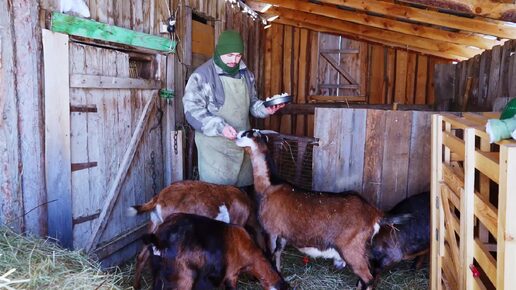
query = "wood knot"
{"x": 478, "y": 10}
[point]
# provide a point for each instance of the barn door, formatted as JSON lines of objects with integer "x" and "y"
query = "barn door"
{"x": 341, "y": 69}
{"x": 111, "y": 155}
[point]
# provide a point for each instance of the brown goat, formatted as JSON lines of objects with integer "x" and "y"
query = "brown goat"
{"x": 195, "y": 252}
{"x": 200, "y": 198}
{"x": 320, "y": 225}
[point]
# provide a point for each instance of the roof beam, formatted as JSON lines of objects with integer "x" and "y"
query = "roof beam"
{"x": 387, "y": 24}
{"x": 318, "y": 28}
{"x": 366, "y": 31}
{"x": 500, "y": 11}
{"x": 493, "y": 27}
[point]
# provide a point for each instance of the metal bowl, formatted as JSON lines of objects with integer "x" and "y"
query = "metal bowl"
{"x": 278, "y": 101}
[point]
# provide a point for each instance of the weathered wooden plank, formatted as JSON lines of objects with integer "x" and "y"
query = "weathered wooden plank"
{"x": 395, "y": 157}
{"x": 112, "y": 82}
{"x": 421, "y": 79}
{"x": 88, "y": 28}
{"x": 286, "y": 120}
{"x": 400, "y": 93}
{"x": 390, "y": 75}
{"x": 483, "y": 80}
{"x": 327, "y": 74}
{"x": 341, "y": 134}
{"x": 419, "y": 158}
{"x": 494, "y": 76}
{"x": 444, "y": 82}
{"x": 203, "y": 41}
{"x": 276, "y": 70}
{"x": 467, "y": 211}
{"x": 11, "y": 198}
{"x": 57, "y": 137}
{"x": 377, "y": 75}
{"x": 373, "y": 156}
{"x": 411, "y": 78}
{"x": 79, "y": 145}
{"x": 23, "y": 18}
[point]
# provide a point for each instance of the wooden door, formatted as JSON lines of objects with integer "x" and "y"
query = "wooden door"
{"x": 341, "y": 69}
{"x": 113, "y": 150}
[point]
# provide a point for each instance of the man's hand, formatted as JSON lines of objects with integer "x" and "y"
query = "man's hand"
{"x": 273, "y": 109}
{"x": 229, "y": 132}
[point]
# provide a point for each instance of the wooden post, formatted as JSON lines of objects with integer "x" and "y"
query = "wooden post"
{"x": 506, "y": 261}
{"x": 169, "y": 122}
{"x": 436, "y": 232}
{"x": 467, "y": 211}
{"x": 57, "y": 137}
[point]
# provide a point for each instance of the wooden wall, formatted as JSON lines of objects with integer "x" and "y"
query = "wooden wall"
{"x": 384, "y": 75}
{"x": 384, "y": 155}
{"x": 490, "y": 76}
{"x": 22, "y": 178}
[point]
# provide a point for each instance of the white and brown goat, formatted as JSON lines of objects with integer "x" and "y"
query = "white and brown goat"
{"x": 223, "y": 202}
{"x": 320, "y": 225}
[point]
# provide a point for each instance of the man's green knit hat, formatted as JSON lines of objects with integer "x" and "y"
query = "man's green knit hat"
{"x": 230, "y": 41}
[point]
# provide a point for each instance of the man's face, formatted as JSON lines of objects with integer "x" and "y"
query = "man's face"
{"x": 231, "y": 59}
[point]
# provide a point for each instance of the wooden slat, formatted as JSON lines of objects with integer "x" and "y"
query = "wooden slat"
{"x": 111, "y": 82}
{"x": 449, "y": 271}
{"x": 485, "y": 260}
{"x": 496, "y": 28}
{"x": 81, "y": 166}
{"x": 487, "y": 164}
{"x": 505, "y": 261}
{"x": 455, "y": 144}
{"x": 421, "y": 79}
{"x": 450, "y": 235}
{"x": 57, "y": 137}
{"x": 88, "y": 28}
{"x": 203, "y": 40}
{"x": 120, "y": 176}
{"x": 337, "y": 99}
{"x": 286, "y": 120}
{"x": 411, "y": 78}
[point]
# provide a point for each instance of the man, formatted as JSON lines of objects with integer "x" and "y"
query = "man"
{"x": 218, "y": 98}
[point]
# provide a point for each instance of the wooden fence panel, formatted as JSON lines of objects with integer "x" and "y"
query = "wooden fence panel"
{"x": 382, "y": 154}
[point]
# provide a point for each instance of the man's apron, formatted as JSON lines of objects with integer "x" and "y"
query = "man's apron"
{"x": 220, "y": 160}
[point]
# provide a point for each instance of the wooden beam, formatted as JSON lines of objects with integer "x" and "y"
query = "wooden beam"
{"x": 387, "y": 24}
{"x": 108, "y": 82}
{"x": 378, "y": 35}
{"x": 496, "y": 28}
{"x": 92, "y": 29}
{"x": 490, "y": 9}
{"x": 367, "y": 31}
{"x": 117, "y": 183}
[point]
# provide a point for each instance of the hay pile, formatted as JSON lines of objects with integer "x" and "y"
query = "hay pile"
{"x": 33, "y": 263}
{"x": 321, "y": 274}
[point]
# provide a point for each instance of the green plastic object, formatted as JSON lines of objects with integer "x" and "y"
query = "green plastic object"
{"x": 500, "y": 129}
{"x": 509, "y": 111}
{"x": 166, "y": 94}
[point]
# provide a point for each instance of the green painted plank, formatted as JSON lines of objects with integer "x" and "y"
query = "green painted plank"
{"x": 92, "y": 29}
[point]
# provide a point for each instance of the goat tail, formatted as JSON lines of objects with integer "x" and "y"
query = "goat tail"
{"x": 142, "y": 208}
{"x": 396, "y": 219}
